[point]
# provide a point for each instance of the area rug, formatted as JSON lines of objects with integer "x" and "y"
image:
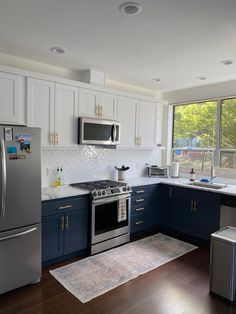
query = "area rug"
{"x": 95, "y": 275}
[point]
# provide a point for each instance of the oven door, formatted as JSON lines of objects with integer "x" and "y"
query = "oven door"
{"x": 105, "y": 224}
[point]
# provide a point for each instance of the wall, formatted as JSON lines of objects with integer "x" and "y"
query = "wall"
{"x": 89, "y": 163}
{"x": 201, "y": 92}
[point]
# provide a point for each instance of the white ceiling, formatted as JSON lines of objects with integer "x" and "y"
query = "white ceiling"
{"x": 176, "y": 40}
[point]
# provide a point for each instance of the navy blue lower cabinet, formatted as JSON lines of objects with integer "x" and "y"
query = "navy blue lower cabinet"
{"x": 206, "y": 219}
{"x": 64, "y": 231}
{"x": 144, "y": 208}
{"x": 52, "y": 237}
{"x": 166, "y": 203}
{"x": 195, "y": 213}
{"x": 76, "y": 231}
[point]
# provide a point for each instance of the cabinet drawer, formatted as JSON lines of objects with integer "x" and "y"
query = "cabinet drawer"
{"x": 139, "y": 200}
{"x": 139, "y": 209}
{"x": 60, "y": 206}
{"x": 138, "y": 222}
{"x": 140, "y": 190}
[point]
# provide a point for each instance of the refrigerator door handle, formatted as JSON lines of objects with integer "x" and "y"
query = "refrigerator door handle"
{"x": 4, "y": 179}
{"x": 18, "y": 234}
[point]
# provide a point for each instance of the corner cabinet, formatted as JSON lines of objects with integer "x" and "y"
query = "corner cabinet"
{"x": 64, "y": 228}
{"x": 138, "y": 123}
{"x": 54, "y": 108}
{"x": 96, "y": 104}
{"x": 12, "y": 105}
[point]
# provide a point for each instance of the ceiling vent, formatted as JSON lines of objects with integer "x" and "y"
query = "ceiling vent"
{"x": 130, "y": 8}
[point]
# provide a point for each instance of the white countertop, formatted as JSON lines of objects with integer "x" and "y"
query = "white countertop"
{"x": 67, "y": 190}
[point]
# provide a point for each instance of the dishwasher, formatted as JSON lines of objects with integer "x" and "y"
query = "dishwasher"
{"x": 228, "y": 211}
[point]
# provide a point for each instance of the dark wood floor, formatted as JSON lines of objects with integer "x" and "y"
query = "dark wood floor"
{"x": 180, "y": 286}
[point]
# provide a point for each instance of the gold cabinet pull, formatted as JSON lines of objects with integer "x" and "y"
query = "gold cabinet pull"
{"x": 139, "y": 222}
{"x": 67, "y": 222}
{"x": 51, "y": 140}
{"x": 62, "y": 223}
{"x": 139, "y": 209}
{"x": 192, "y": 206}
{"x": 101, "y": 111}
{"x": 170, "y": 192}
{"x": 140, "y": 200}
{"x": 64, "y": 206}
{"x": 195, "y": 207}
{"x": 56, "y": 138}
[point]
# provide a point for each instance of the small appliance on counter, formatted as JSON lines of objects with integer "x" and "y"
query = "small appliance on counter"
{"x": 155, "y": 171}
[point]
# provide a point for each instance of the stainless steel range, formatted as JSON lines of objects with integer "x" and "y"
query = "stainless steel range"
{"x": 110, "y": 221}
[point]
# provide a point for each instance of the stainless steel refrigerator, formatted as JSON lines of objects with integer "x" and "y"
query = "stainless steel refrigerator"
{"x": 20, "y": 206}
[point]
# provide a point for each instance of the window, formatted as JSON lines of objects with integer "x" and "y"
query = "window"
{"x": 228, "y": 133}
{"x": 205, "y": 126}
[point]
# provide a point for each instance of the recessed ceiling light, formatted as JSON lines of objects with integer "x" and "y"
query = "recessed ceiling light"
{"x": 130, "y": 8}
{"x": 57, "y": 50}
{"x": 227, "y": 62}
{"x": 156, "y": 79}
{"x": 201, "y": 78}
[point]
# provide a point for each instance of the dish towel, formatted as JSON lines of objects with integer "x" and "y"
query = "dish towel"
{"x": 121, "y": 209}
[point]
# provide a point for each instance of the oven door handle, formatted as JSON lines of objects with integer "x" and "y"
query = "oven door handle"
{"x": 110, "y": 199}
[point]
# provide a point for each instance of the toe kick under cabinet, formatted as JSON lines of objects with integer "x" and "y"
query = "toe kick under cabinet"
{"x": 144, "y": 208}
{"x": 64, "y": 228}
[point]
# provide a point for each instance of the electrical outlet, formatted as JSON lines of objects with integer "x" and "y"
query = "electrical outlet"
{"x": 48, "y": 172}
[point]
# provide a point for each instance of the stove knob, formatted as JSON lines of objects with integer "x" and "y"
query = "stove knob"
{"x": 99, "y": 193}
{"x": 124, "y": 188}
{"x": 94, "y": 194}
{"x": 103, "y": 192}
{"x": 128, "y": 188}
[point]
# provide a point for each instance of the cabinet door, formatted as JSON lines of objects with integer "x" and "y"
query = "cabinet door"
{"x": 40, "y": 108}
{"x": 107, "y": 103}
{"x": 11, "y": 105}
{"x": 52, "y": 237}
{"x": 146, "y": 124}
{"x": 66, "y": 115}
{"x": 206, "y": 220}
{"x": 166, "y": 206}
{"x": 182, "y": 214}
{"x": 126, "y": 114}
{"x": 76, "y": 231}
{"x": 153, "y": 206}
{"x": 88, "y": 101}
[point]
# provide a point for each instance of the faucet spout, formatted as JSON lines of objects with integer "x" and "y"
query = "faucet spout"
{"x": 213, "y": 174}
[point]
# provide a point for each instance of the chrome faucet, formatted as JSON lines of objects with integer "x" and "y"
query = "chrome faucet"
{"x": 213, "y": 175}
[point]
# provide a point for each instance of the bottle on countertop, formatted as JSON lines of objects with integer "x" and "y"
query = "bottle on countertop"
{"x": 192, "y": 175}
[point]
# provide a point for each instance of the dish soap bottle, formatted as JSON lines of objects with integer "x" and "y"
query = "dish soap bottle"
{"x": 192, "y": 175}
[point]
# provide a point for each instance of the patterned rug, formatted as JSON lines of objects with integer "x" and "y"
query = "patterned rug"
{"x": 95, "y": 275}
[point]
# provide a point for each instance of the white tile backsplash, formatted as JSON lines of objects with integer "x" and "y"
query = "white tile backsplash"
{"x": 87, "y": 163}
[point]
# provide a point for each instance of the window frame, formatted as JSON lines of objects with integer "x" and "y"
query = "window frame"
{"x": 217, "y": 150}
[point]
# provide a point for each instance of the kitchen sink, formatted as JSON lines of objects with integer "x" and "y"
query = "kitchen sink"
{"x": 215, "y": 186}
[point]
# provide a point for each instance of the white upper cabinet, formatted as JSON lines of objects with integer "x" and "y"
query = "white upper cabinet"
{"x": 40, "y": 108}
{"x": 138, "y": 123}
{"x": 12, "y": 108}
{"x": 96, "y": 104}
{"x": 126, "y": 114}
{"x": 53, "y": 108}
{"x": 146, "y": 124}
{"x": 66, "y": 115}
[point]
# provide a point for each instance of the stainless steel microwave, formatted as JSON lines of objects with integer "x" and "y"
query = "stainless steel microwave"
{"x": 94, "y": 131}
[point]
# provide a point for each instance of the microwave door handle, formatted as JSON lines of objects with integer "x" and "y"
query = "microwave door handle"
{"x": 114, "y": 132}
{"x": 4, "y": 179}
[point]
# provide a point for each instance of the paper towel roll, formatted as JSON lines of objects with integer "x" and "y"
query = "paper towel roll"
{"x": 175, "y": 169}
